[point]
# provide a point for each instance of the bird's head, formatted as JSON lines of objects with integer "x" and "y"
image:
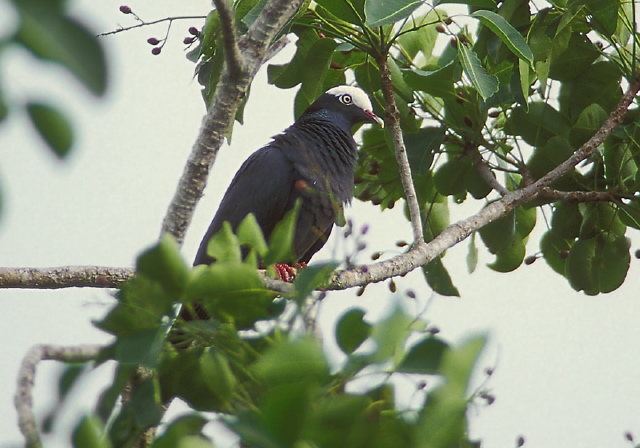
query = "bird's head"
{"x": 347, "y": 104}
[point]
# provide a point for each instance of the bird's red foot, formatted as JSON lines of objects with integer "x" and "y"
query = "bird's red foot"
{"x": 286, "y": 272}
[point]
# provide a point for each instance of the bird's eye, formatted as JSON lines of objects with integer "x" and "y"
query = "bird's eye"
{"x": 346, "y": 99}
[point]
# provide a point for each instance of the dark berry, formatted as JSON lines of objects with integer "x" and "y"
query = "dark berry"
{"x": 188, "y": 40}
{"x": 153, "y": 41}
{"x": 530, "y": 260}
{"x": 124, "y": 9}
{"x": 441, "y": 29}
{"x": 193, "y": 31}
{"x": 156, "y": 50}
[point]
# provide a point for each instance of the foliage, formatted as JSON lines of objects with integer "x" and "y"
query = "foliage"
{"x": 274, "y": 385}
{"x": 513, "y": 100}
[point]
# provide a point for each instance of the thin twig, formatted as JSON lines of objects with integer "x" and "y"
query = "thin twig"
{"x": 155, "y": 22}
{"x": 393, "y": 123}
{"x": 26, "y": 377}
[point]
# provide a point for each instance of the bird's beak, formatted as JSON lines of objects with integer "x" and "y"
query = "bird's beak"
{"x": 374, "y": 118}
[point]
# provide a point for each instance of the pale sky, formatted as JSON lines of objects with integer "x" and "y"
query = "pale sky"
{"x": 566, "y": 365}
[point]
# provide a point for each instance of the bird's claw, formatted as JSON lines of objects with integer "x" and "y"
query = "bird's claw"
{"x": 286, "y": 272}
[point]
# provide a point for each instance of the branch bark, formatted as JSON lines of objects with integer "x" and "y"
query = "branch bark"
{"x": 26, "y": 377}
{"x": 64, "y": 277}
{"x": 393, "y": 122}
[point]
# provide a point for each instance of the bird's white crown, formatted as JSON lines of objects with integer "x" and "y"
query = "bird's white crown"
{"x": 358, "y": 96}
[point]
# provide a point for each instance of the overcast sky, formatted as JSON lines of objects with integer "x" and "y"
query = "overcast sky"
{"x": 566, "y": 365}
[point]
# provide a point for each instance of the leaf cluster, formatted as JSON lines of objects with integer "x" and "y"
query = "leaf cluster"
{"x": 510, "y": 100}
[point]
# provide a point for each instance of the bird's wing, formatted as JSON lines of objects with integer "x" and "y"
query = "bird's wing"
{"x": 261, "y": 186}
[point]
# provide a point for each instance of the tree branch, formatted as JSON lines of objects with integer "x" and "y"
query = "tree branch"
{"x": 393, "y": 123}
{"x": 231, "y": 90}
{"x": 154, "y": 22}
{"x": 64, "y": 277}
{"x": 26, "y": 377}
{"x": 233, "y": 57}
{"x": 550, "y": 194}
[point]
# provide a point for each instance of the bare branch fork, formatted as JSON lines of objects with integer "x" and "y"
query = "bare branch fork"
{"x": 26, "y": 378}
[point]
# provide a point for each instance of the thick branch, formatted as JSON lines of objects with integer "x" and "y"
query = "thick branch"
{"x": 230, "y": 92}
{"x": 26, "y": 378}
{"x": 393, "y": 122}
{"x": 64, "y": 277}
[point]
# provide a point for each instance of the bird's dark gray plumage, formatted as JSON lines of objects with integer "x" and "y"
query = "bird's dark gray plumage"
{"x": 313, "y": 160}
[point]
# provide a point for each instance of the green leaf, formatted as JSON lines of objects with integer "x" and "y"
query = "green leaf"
{"x": 316, "y": 65}
{"x": 142, "y": 305}
{"x": 442, "y": 422}
{"x": 189, "y": 425}
{"x": 281, "y": 240}
{"x": 566, "y": 220}
{"x": 598, "y": 264}
{"x": 573, "y": 59}
{"x": 604, "y": 15}
{"x": 449, "y": 178}
{"x": 439, "y": 83}
{"x": 217, "y": 373}
{"x": 250, "y": 233}
{"x": 507, "y": 34}
{"x": 231, "y": 292}
{"x": 50, "y": 35}
{"x": 438, "y": 278}
{"x": 289, "y": 75}
{"x": 424, "y": 356}
{"x": 421, "y": 147}
{"x": 142, "y": 347}
{"x": 498, "y": 235}
{"x": 484, "y": 83}
{"x": 352, "y": 330}
{"x": 587, "y": 124}
{"x": 548, "y": 156}
{"x": 488, "y": 4}
{"x": 291, "y": 362}
{"x": 164, "y": 264}
{"x": 89, "y": 434}
{"x": 191, "y": 375}
{"x": 383, "y": 13}
{"x": 146, "y": 403}
{"x": 509, "y": 258}
{"x": 390, "y": 335}
{"x": 555, "y": 250}
{"x": 472, "y": 255}
{"x": 225, "y": 245}
{"x": 630, "y": 214}
{"x": 52, "y": 126}
{"x": 537, "y": 125}
{"x": 421, "y": 35}
{"x": 351, "y": 11}
{"x": 311, "y": 278}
